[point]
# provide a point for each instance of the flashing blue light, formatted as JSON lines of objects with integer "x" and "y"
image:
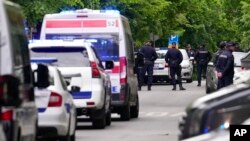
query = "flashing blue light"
{"x": 44, "y": 60}
{"x": 206, "y": 130}
{"x": 110, "y": 11}
{"x": 67, "y": 11}
{"x": 222, "y": 126}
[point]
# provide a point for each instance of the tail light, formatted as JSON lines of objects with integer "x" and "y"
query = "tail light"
{"x": 55, "y": 100}
{"x": 243, "y": 68}
{"x": 7, "y": 115}
{"x": 123, "y": 71}
{"x": 95, "y": 70}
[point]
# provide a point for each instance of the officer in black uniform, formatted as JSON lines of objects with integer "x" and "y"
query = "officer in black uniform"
{"x": 174, "y": 58}
{"x": 150, "y": 56}
{"x": 190, "y": 51}
{"x": 139, "y": 65}
{"x": 217, "y": 54}
{"x": 202, "y": 58}
{"x": 225, "y": 66}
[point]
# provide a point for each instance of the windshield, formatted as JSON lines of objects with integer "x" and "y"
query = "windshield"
{"x": 237, "y": 58}
{"x": 80, "y": 59}
{"x": 106, "y": 46}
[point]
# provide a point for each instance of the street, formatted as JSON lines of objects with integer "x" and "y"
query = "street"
{"x": 160, "y": 110}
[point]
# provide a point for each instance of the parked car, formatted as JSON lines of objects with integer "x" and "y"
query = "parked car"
{"x": 161, "y": 69}
{"x": 227, "y": 106}
{"x": 81, "y": 67}
{"x": 56, "y": 110}
{"x": 18, "y": 114}
{"x": 245, "y": 62}
{"x": 212, "y": 80}
{"x": 111, "y": 36}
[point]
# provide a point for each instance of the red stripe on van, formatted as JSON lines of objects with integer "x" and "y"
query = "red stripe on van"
{"x": 64, "y": 24}
{"x": 116, "y": 23}
{"x": 94, "y": 23}
{"x": 76, "y": 23}
{"x": 116, "y": 69}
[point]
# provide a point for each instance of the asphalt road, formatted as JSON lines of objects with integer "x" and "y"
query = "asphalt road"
{"x": 160, "y": 111}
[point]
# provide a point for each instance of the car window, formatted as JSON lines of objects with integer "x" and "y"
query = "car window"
{"x": 161, "y": 54}
{"x": 67, "y": 59}
{"x": 237, "y": 58}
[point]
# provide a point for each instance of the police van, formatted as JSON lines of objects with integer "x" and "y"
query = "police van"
{"x": 18, "y": 114}
{"x": 110, "y": 34}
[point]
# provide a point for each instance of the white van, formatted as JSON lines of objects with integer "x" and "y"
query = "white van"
{"x": 110, "y": 34}
{"x": 18, "y": 114}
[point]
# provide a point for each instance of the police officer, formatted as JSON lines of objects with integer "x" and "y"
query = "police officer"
{"x": 174, "y": 58}
{"x": 139, "y": 64}
{"x": 221, "y": 48}
{"x": 225, "y": 66}
{"x": 202, "y": 58}
{"x": 150, "y": 56}
{"x": 190, "y": 51}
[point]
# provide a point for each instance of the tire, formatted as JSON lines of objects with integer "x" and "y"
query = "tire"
{"x": 108, "y": 118}
{"x": 135, "y": 109}
{"x": 65, "y": 138}
{"x": 125, "y": 113}
{"x": 73, "y": 137}
{"x": 99, "y": 123}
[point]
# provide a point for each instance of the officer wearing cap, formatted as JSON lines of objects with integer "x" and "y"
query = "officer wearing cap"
{"x": 221, "y": 48}
{"x": 225, "y": 66}
{"x": 150, "y": 56}
{"x": 202, "y": 58}
{"x": 174, "y": 58}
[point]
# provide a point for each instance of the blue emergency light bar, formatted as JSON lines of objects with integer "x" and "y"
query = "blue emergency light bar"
{"x": 44, "y": 60}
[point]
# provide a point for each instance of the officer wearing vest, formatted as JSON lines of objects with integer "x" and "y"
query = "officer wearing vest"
{"x": 225, "y": 66}
{"x": 150, "y": 56}
{"x": 174, "y": 58}
{"x": 202, "y": 58}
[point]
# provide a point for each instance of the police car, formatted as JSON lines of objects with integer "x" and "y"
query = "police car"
{"x": 56, "y": 109}
{"x": 161, "y": 69}
{"x": 85, "y": 75}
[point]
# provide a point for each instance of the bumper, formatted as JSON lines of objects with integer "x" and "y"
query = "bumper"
{"x": 186, "y": 74}
{"x": 53, "y": 119}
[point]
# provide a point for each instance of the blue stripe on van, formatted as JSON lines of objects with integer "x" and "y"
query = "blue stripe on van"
{"x": 41, "y": 110}
{"x": 82, "y": 95}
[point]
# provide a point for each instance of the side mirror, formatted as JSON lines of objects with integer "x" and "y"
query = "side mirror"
{"x": 75, "y": 89}
{"x": 42, "y": 76}
{"x": 10, "y": 91}
{"x": 211, "y": 64}
{"x": 109, "y": 64}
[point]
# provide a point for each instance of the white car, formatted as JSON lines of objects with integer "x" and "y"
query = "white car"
{"x": 84, "y": 73}
{"x": 162, "y": 72}
{"x": 56, "y": 109}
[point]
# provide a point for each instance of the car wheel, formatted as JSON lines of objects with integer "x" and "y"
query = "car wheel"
{"x": 125, "y": 114}
{"x": 135, "y": 109}
{"x": 73, "y": 137}
{"x": 99, "y": 123}
{"x": 65, "y": 138}
{"x": 208, "y": 90}
{"x": 108, "y": 118}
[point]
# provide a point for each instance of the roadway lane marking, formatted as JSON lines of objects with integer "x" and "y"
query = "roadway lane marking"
{"x": 161, "y": 114}
{"x": 157, "y": 114}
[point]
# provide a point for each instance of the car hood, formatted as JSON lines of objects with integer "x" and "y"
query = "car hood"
{"x": 185, "y": 63}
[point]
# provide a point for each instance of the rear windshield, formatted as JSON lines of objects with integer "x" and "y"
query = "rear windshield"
{"x": 106, "y": 46}
{"x": 161, "y": 54}
{"x": 75, "y": 59}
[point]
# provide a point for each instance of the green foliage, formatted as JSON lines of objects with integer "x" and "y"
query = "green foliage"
{"x": 195, "y": 21}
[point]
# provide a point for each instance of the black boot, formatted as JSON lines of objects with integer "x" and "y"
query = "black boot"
{"x": 174, "y": 88}
{"x": 181, "y": 88}
{"x": 199, "y": 84}
{"x": 149, "y": 87}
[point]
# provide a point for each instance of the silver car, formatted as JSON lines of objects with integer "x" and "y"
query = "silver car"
{"x": 161, "y": 69}
{"x": 211, "y": 81}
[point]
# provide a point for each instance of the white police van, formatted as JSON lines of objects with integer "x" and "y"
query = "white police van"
{"x": 110, "y": 34}
{"x": 18, "y": 114}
